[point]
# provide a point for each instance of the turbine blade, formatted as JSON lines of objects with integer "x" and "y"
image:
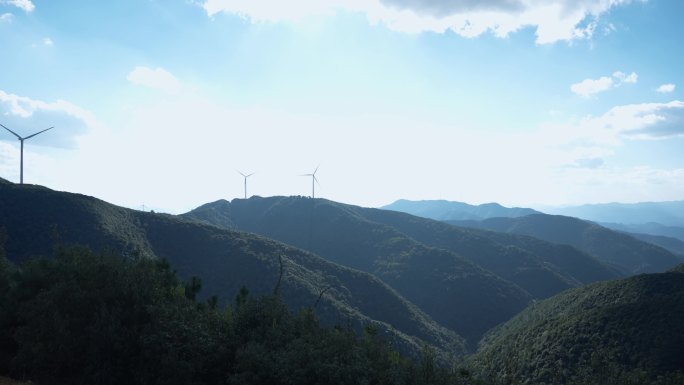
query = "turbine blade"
{"x": 15, "y": 134}
{"x": 305, "y": 175}
{"x": 316, "y": 179}
{"x": 39, "y": 132}
{"x": 314, "y": 173}
{"x": 250, "y": 175}
{"x": 241, "y": 173}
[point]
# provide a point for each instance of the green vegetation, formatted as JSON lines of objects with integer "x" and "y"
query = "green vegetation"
{"x": 673, "y": 245}
{"x": 621, "y": 332}
{"x": 80, "y": 318}
{"x": 123, "y": 316}
{"x": 542, "y": 268}
{"x": 678, "y": 269}
{"x": 453, "y": 290}
{"x": 37, "y": 219}
{"x": 622, "y": 251}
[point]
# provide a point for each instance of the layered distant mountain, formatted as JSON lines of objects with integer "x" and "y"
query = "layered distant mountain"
{"x": 35, "y": 219}
{"x": 453, "y": 290}
{"x": 673, "y": 245}
{"x": 664, "y": 213}
{"x": 650, "y": 228}
{"x": 428, "y": 261}
{"x": 540, "y": 267}
{"x": 447, "y": 210}
{"x": 627, "y": 331}
{"x": 627, "y": 253}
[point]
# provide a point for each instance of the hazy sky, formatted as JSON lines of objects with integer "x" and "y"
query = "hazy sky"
{"x": 522, "y": 102}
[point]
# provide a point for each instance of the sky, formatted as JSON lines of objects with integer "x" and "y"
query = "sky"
{"x": 522, "y": 102}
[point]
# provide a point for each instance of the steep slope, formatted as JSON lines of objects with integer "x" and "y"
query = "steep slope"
{"x": 453, "y": 290}
{"x": 607, "y": 332}
{"x": 447, "y": 210}
{"x": 666, "y": 213}
{"x": 627, "y": 253}
{"x": 677, "y": 269}
{"x": 650, "y": 228}
{"x": 542, "y": 268}
{"x": 673, "y": 245}
{"x": 35, "y": 219}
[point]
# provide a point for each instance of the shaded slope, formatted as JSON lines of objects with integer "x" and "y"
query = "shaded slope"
{"x": 542, "y": 268}
{"x": 673, "y": 245}
{"x": 629, "y": 328}
{"x": 447, "y": 210}
{"x": 453, "y": 290}
{"x": 627, "y": 253}
{"x": 648, "y": 228}
{"x": 36, "y": 218}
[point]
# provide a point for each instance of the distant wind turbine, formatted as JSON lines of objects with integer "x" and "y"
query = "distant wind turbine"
{"x": 21, "y": 165}
{"x": 246, "y": 176}
{"x": 314, "y": 180}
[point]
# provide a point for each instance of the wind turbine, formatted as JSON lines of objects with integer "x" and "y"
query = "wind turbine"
{"x": 246, "y": 176}
{"x": 21, "y": 167}
{"x": 314, "y": 180}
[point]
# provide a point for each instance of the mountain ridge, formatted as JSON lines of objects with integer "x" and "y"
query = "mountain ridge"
{"x": 36, "y": 218}
{"x": 621, "y": 250}
{"x": 668, "y": 213}
{"x": 343, "y": 234}
{"x": 452, "y": 210}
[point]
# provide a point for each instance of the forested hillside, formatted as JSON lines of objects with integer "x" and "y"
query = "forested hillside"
{"x": 454, "y": 290}
{"x": 36, "y": 220}
{"x": 627, "y": 253}
{"x": 628, "y": 331}
{"x": 85, "y": 319}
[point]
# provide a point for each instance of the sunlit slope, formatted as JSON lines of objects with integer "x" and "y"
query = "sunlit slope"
{"x": 629, "y": 328}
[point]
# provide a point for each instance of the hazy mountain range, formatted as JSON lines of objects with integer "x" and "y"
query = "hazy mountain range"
{"x": 36, "y": 219}
{"x": 650, "y": 228}
{"x": 630, "y": 255}
{"x": 437, "y": 280}
{"x": 538, "y": 298}
{"x": 663, "y": 213}
{"x": 448, "y": 210}
{"x": 463, "y": 214}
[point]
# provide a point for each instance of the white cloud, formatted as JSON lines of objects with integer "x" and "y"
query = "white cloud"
{"x": 26, "y": 5}
{"x": 589, "y": 87}
{"x": 6, "y": 18}
{"x": 618, "y": 184}
{"x": 48, "y": 42}
{"x": 624, "y": 78}
{"x": 645, "y": 121}
{"x": 26, "y": 114}
{"x": 596, "y": 136}
{"x": 158, "y": 78}
{"x": 554, "y": 20}
{"x": 666, "y": 88}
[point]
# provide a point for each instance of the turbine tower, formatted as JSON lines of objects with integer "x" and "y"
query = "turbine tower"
{"x": 21, "y": 164}
{"x": 245, "y": 176}
{"x": 314, "y": 180}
